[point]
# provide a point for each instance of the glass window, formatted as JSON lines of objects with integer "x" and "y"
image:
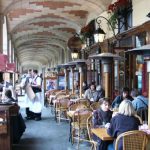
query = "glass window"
{"x": 140, "y": 39}
{"x": 125, "y": 18}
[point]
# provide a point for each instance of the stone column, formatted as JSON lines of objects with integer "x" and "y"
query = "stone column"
{"x": 81, "y": 79}
{"x": 66, "y": 78}
{"x": 72, "y": 71}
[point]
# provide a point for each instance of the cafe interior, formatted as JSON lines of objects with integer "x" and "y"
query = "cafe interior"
{"x": 75, "y": 44}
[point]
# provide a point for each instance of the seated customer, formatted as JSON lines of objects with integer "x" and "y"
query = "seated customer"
{"x": 140, "y": 101}
{"x": 100, "y": 92}
{"x": 17, "y": 123}
{"x": 8, "y": 96}
{"x": 124, "y": 121}
{"x": 103, "y": 114}
{"x": 125, "y": 95}
{"x": 91, "y": 93}
{"x": 101, "y": 117}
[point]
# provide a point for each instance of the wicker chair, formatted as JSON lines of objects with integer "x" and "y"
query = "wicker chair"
{"x": 85, "y": 102}
{"x": 89, "y": 126}
{"x": 132, "y": 140}
{"x": 79, "y": 124}
{"x": 77, "y": 106}
{"x": 73, "y": 96}
{"x": 61, "y": 108}
{"x": 95, "y": 105}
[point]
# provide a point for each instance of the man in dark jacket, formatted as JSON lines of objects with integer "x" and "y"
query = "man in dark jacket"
{"x": 120, "y": 98}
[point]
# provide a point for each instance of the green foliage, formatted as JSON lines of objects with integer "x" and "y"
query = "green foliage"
{"x": 113, "y": 20}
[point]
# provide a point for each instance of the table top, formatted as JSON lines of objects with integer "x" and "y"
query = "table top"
{"x": 102, "y": 134}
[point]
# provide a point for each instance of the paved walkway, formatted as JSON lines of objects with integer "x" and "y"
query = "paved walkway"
{"x": 46, "y": 134}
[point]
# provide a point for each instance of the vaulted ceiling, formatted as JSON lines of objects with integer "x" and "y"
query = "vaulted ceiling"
{"x": 40, "y": 29}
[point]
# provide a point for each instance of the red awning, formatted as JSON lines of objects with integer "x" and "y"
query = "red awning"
{"x": 11, "y": 67}
{"x": 3, "y": 62}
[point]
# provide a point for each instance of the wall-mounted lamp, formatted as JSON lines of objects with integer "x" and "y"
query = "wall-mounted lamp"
{"x": 100, "y": 32}
{"x": 99, "y": 35}
{"x": 74, "y": 55}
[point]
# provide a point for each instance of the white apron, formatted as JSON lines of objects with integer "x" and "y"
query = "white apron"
{"x": 26, "y": 98}
{"x": 37, "y": 103}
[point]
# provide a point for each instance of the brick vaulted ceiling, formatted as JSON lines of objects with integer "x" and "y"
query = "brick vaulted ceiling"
{"x": 40, "y": 29}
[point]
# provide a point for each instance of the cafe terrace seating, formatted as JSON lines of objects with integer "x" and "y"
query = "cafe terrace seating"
{"x": 50, "y": 95}
{"x": 95, "y": 105}
{"x": 76, "y": 106}
{"x": 56, "y": 95}
{"x": 85, "y": 102}
{"x": 73, "y": 96}
{"x": 79, "y": 125}
{"x": 61, "y": 108}
{"x": 89, "y": 126}
{"x": 132, "y": 140}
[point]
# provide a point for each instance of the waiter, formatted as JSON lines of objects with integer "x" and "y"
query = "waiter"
{"x": 36, "y": 103}
{"x": 25, "y": 80}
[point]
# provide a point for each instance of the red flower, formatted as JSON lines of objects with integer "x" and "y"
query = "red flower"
{"x": 115, "y": 6}
{"x": 111, "y": 7}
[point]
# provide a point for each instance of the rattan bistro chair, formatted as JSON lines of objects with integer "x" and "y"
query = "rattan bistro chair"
{"x": 85, "y": 102}
{"x": 89, "y": 127}
{"x": 76, "y": 106}
{"x": 95, "y": 105}
{"x": 132, "y": 140}
{"x": 79, "y": 124}
{"x": 61, "y": 109}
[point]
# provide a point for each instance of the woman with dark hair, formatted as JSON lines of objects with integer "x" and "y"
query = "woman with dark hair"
{"x": 17, "y": 123}
{"x": 8, "y": 96}
{"x": 102, "y": 116}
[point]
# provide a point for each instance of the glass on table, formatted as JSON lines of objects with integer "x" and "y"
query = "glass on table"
{"x": 144, "y": 126}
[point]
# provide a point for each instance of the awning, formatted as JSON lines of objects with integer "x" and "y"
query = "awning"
{"x": 11, "y": 67}
{"x": 3, "y": 62}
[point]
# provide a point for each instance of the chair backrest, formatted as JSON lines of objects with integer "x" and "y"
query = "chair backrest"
{"x": 53, "y": 92}
{"x": 60, "y": 95}
{"x": 132, "y": 140}
{"x": 77, "y": 106}
{"x": 89, "y": 126}
{"x": 95, "y": 105}
{"x": 81, "y": 117}
{"x": 143, "y": 113}
{"x": 62, "y": 103}
{"x": 73, "y": 96}
{"x": 85, "y": 102}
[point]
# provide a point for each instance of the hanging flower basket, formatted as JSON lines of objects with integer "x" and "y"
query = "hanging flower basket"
{"x": 116, "y": 10}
